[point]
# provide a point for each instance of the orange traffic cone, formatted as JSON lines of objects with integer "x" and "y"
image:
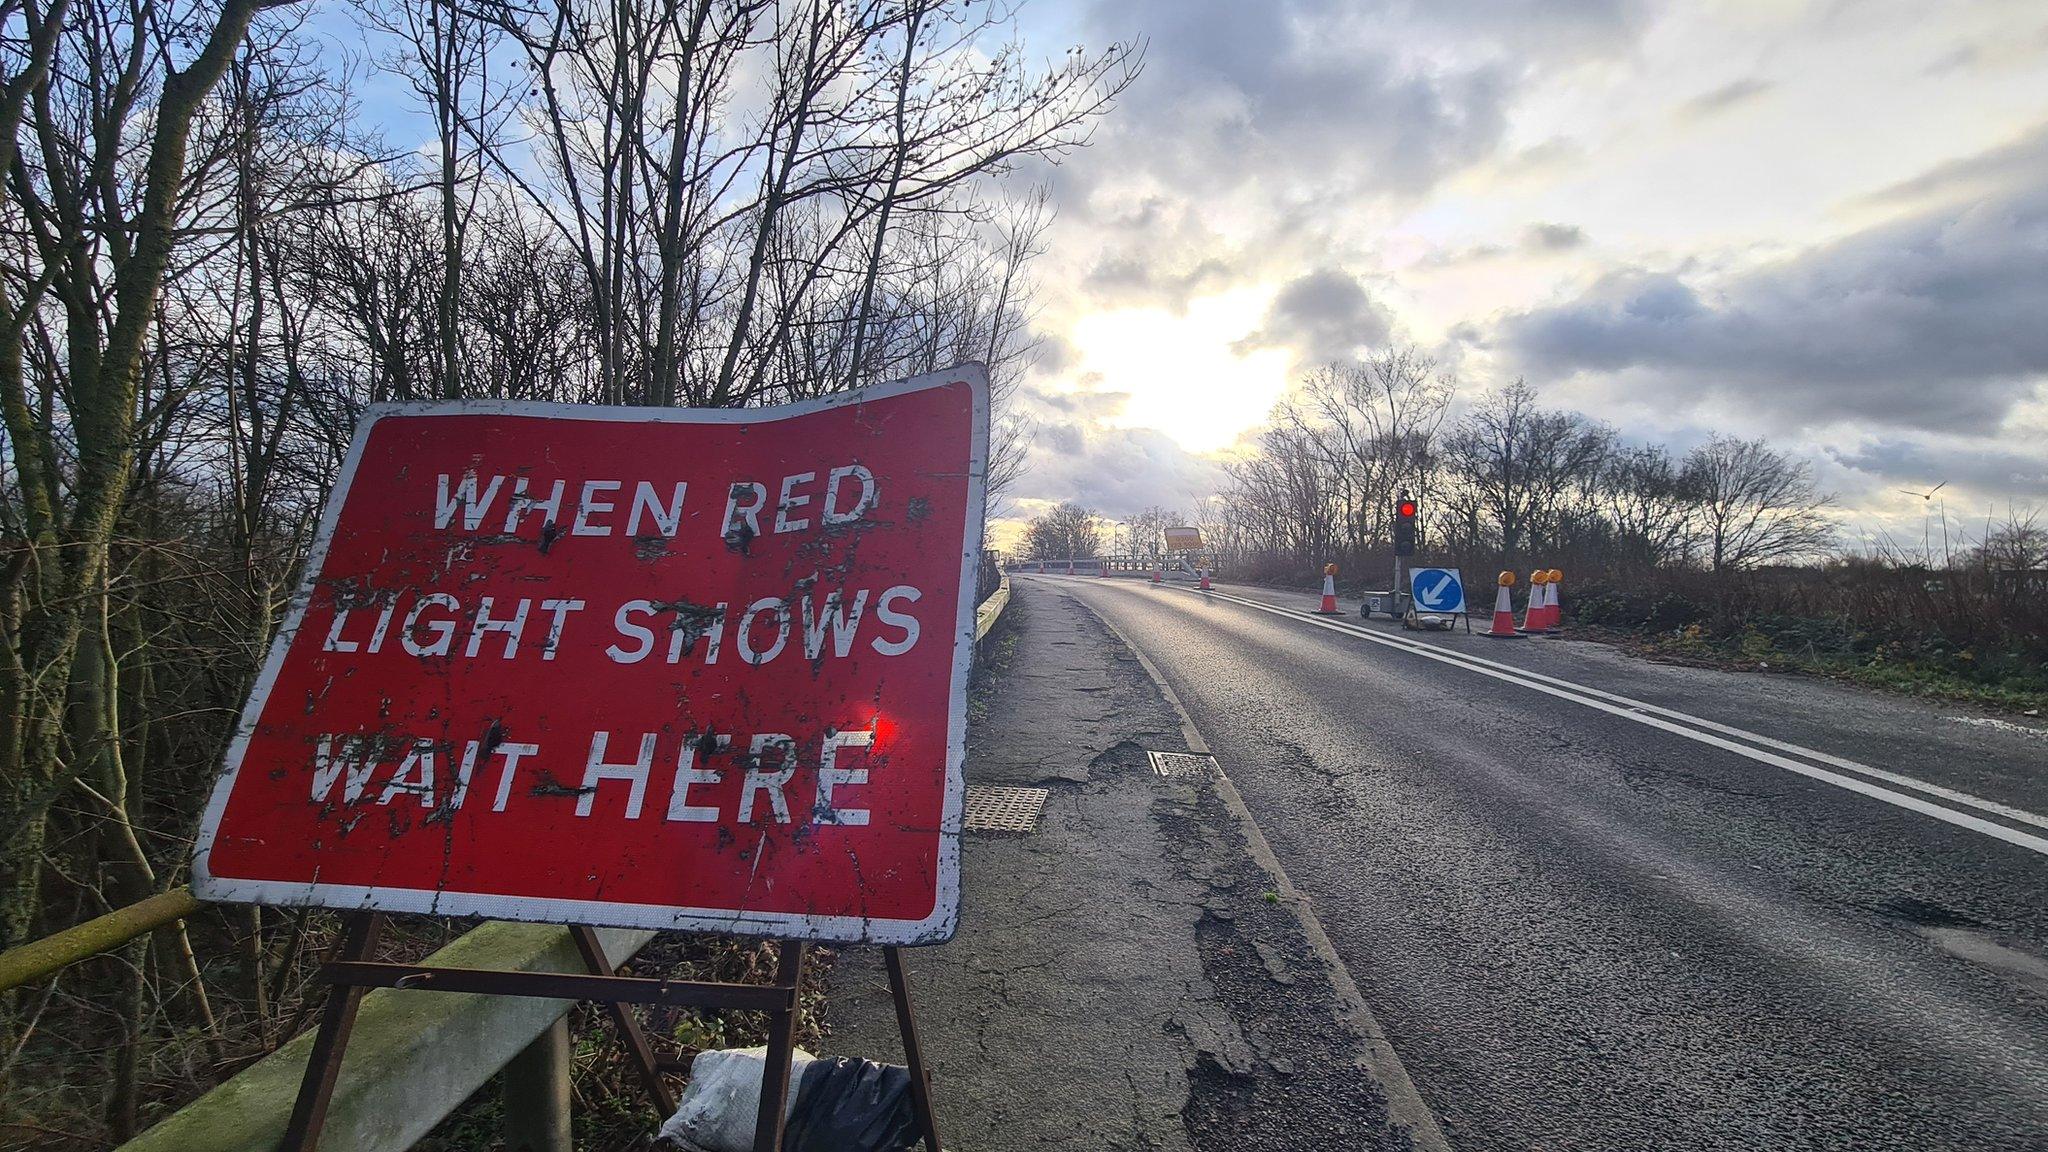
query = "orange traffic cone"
{"x": 1329, "y": 607}
{"x": 1504, "y": 610}
{"x": 1204, "y": 585}
{"x": 1553, "y": 613}
{"x": 1532, "y": 612}
{"x": 1159, "y": 574}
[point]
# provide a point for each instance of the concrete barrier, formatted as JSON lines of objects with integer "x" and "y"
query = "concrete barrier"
{"x": 991, "y": 609}
{"x": 413, "y": 1057}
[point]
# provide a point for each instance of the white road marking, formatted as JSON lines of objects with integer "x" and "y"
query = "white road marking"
{"x": 1655, "y": 716}
{"x": 2002, "y": 725}
{"x": 1964, "y": 798}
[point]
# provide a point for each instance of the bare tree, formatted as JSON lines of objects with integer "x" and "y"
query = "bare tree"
{"x": 1066, "y": 532}
{"x": 1652, "y": 508}
{"x": 444, "y": 52}
{"x": 2017, "y": 546}
{"x": 1757, "y": 505}
{"x": 1511, "y": 461}
{"x": 104, "y": 221}
{"x": 1379, "y": 419}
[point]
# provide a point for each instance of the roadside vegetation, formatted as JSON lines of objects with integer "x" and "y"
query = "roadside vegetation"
{"x": 1726, "y": 553}
{"x": 231, "y": 225}
{"x": 1962, "y": 635}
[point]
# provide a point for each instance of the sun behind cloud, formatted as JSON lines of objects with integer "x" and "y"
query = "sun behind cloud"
{"x": 1180, "y": 371}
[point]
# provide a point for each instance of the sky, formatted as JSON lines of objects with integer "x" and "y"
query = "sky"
{"x": 1823, "y": 223}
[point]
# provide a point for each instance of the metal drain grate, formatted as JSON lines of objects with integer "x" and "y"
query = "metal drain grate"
{"x": 994, "y": 809}
{"x": 1183, "y": 764}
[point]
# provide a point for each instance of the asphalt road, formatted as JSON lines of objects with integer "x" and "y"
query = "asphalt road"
{"x": 1598, "y": 924}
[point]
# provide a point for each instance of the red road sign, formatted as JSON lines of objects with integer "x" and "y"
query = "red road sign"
{"x": 658, "y": 668}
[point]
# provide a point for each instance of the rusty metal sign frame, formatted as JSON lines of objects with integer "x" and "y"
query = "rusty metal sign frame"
{"x": 351, "y": 973}
{"x": 937, "y": 927}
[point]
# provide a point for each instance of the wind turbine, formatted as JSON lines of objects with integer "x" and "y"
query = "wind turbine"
{"x": 1927, "y": 497}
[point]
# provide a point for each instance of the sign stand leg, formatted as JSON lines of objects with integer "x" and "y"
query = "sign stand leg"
{"x": 337, "y": 1020}
{"x": 769, "y": 1119}
{"x": 629, "y": 1029}
{"x": 351, "y": 973}
{"x": 913, "y": 1051}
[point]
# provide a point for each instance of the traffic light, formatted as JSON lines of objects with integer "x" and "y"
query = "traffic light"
{"x": 1404, "y": 526}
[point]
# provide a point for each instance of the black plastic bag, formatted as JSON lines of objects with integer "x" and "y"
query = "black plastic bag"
{"x": 846, "y": 1105}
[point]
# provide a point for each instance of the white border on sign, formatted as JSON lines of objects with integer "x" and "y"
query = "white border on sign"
{"x": 935, "y": 928}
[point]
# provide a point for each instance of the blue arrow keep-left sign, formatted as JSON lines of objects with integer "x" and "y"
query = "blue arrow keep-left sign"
{"x": 1437, "y": 589}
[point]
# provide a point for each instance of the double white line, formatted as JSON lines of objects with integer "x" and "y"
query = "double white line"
{"x": 1755, "y": 746}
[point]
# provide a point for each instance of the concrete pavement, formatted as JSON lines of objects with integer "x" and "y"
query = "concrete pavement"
{"x": 1131, "y": 975}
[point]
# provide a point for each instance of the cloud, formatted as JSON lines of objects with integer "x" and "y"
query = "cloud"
{"x": 1727, "y": 96}
{"x": 1077, "y": 455}
{"x": 1323, "y": 316}
{"x": 2002, "y": 51}
{"x": 1286, "y": 95}
{"x": 1537, "y": 240}
{"x": 1267, "y": 137}
{"x": 2020, "y": 162}
{"x": 1133, "y": 277}
{"x": 1554, "y": 237}
{"x": 1932, "y": 321}
{"x": 1896, "y": 463}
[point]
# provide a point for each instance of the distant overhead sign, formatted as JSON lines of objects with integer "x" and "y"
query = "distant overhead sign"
{"x": 1183, "y": 539}
{"x": 1437, "y": 590}
{"x": 657, "y": 668}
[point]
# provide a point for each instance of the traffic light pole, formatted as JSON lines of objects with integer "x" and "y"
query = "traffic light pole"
{"x": 1404, "y": 542}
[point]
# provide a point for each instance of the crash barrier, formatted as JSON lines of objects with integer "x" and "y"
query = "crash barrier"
{"x": 413, "y": 1058}
{"x": 1149, "y": 568}
{"x": 399, "y": 1080}
{"x": 991, "y": 609}
{"x": 1177, "y": 566}
{"x": 1079, "y": 566}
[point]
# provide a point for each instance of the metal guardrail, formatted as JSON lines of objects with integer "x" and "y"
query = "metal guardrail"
{"x": 991, "y": 609}
{"x": 413, "y": 1057}
{"x": 45, "y": 957}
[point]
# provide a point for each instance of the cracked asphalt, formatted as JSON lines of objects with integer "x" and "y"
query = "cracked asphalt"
{"x": 1129, "y": 976}
{"x": 1580, "y": 931}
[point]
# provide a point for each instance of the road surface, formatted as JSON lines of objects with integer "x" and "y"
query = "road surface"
{"x": 1600, "y": 903}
